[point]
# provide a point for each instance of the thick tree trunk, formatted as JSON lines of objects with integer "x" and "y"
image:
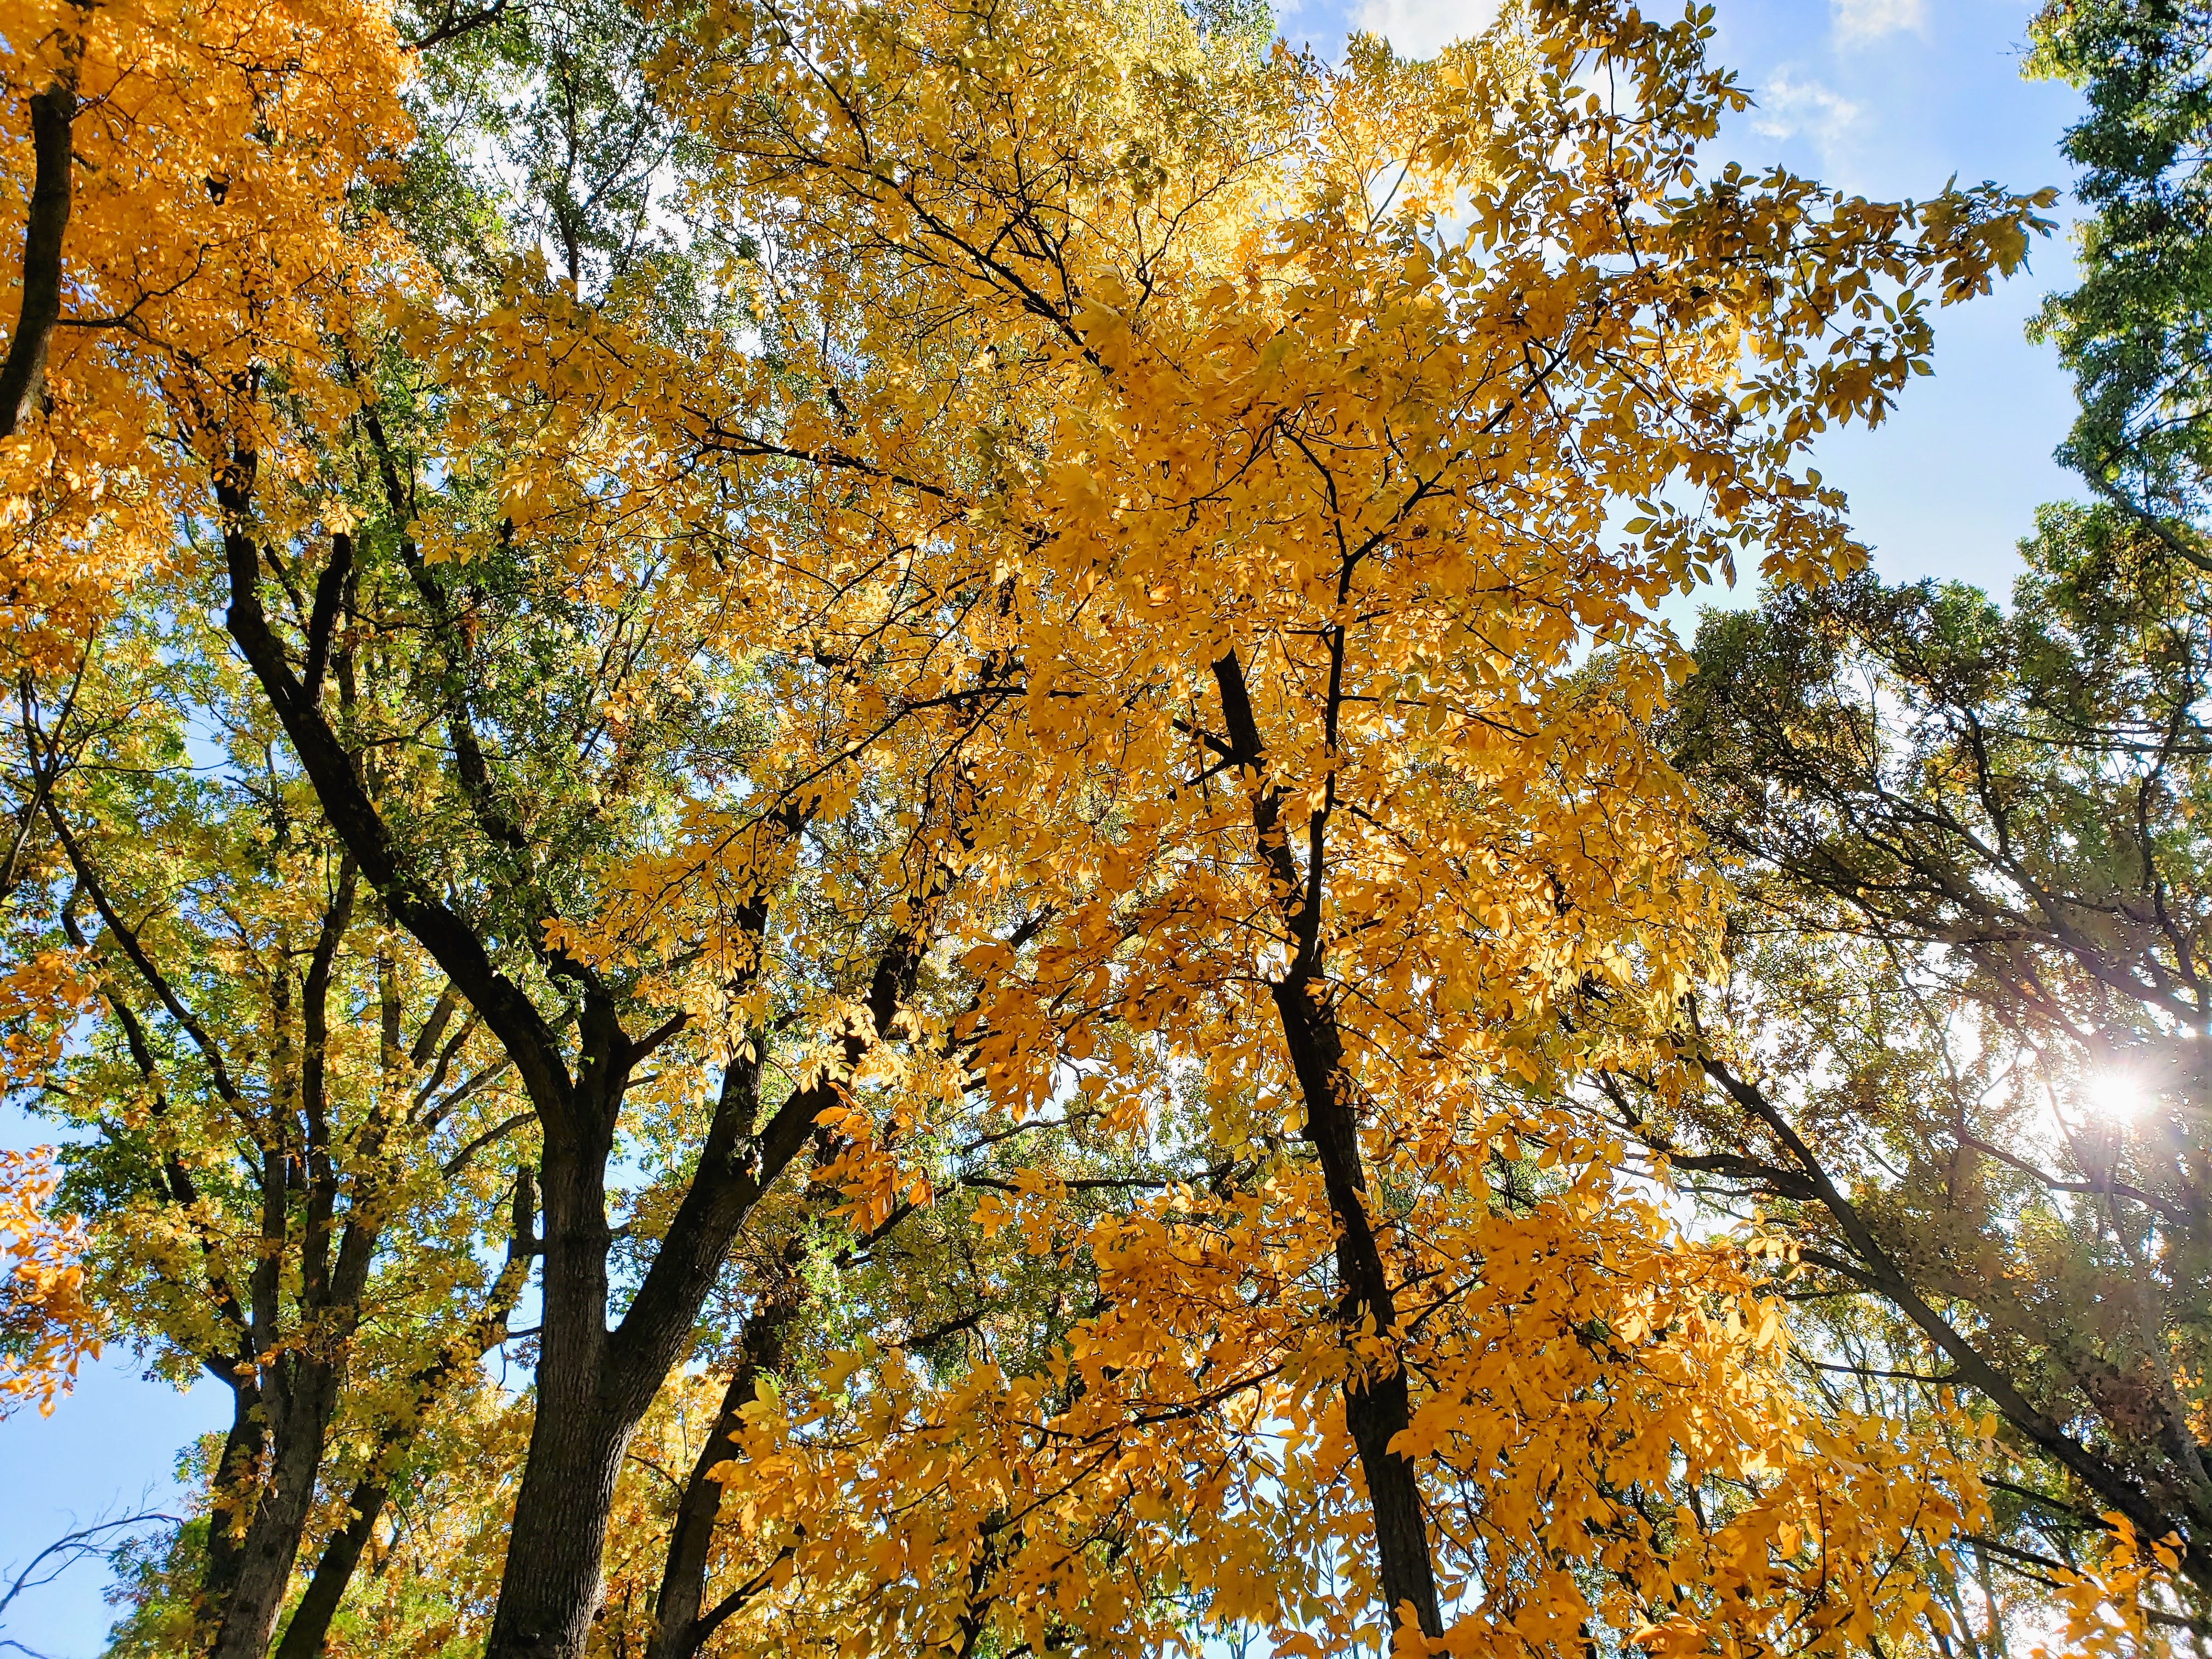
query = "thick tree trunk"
{"x": 237, "y": 1477}
{"x": 550, "y": 1584}
{"x": 550, "y": 1592}
{"x": 549, "y": 1588}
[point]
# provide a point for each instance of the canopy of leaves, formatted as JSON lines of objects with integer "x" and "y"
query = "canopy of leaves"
{"x": 945, "y": 713}
{"x": 2134, "y": 332}
{"x": 1960, "y": 1048}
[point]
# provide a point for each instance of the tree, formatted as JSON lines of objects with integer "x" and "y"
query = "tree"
{"x": 179, "y": 178}
{"x": 992, "y": 605}
{"x": 292, "y": 1133}
{"x": 1956, "y": 1047}
{"x": 2133, "y": 332}
{"x": 1218, "y": 493}
{"x": 1961, "y": 1051}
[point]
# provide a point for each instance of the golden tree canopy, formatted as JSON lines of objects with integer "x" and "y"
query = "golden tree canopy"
{"x": 1112, "y": 654}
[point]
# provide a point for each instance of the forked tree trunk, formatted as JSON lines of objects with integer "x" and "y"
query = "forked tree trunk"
{"x": 595, "y": 1385}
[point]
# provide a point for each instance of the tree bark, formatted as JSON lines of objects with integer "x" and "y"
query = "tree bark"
{"x": 549, "y": 1588}
{"x": 300, "y": 1408}
{"x": 308, "y": 1631}
{"x": 53, "y": 111}
{"x": 230, "y": 1507}
{"x": 310, "y": 1626}
{"x": 301, "y": 1386}
{"x": 684, "y": 1578}
{"x": 1377, "y": 1403}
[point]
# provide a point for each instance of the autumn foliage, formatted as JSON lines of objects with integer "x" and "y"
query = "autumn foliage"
{"x": 196, "y": 238}
{"x": 953, "y": 729}
{"x": 49, "y": 1326}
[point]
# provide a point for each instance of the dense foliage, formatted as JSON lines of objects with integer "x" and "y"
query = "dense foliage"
{"x": 851, "y": 831}
{"x": 1957, "y": 1049}
{"x": 2133, "y": 330}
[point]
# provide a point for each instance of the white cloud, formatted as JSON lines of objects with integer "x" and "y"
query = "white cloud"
{"x": 1418, "y": 28}
{"x": 1789, "y": 106}
{"x": 1859, "y": 21}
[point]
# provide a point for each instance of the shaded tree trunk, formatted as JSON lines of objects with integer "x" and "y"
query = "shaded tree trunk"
{"x": 684, "y": 1578}
{"x": 237, "y": 1472}
{"x": 53, "y": 112}
{"x": 302, "y": 1407}
{"x": 1378, "y": 1404}
{"x": 549, "y": 1589}
{"x": 309, "y": 1629}
{"x": 302, "y": 1389}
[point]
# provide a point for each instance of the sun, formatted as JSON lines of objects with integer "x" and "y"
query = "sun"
{"x": 2118, "y": 1097}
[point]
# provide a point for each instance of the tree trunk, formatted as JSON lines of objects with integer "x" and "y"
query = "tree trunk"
{"x": 593, "y": 1384}
{"x": 1377, "y": 1405}
{"x": 53, "y": 111}
{"x": 684, "y": 1579}
{"x": 302, "y": 1409}
{"x": 549, "y": 1588}
{"x": 550, "y": 1592}
{"x": 237, "y": 1477}
{"x": 310, "y": 1628}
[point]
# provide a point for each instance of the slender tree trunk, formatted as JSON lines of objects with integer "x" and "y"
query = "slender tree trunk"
{"x": 301, "y": 1409}
{"x": 1377, "y": 1405}
{"x": 691, "y": 1542}
{"x": 301, "y": 1388}
{"x": 310, "y": 1626}
{"x": 53, "y": 111}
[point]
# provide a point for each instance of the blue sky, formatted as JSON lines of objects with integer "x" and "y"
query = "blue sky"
{"x": 1887, "y": 97}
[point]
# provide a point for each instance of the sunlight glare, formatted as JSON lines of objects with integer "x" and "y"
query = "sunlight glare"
{"x": 2115, "y": 1096}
